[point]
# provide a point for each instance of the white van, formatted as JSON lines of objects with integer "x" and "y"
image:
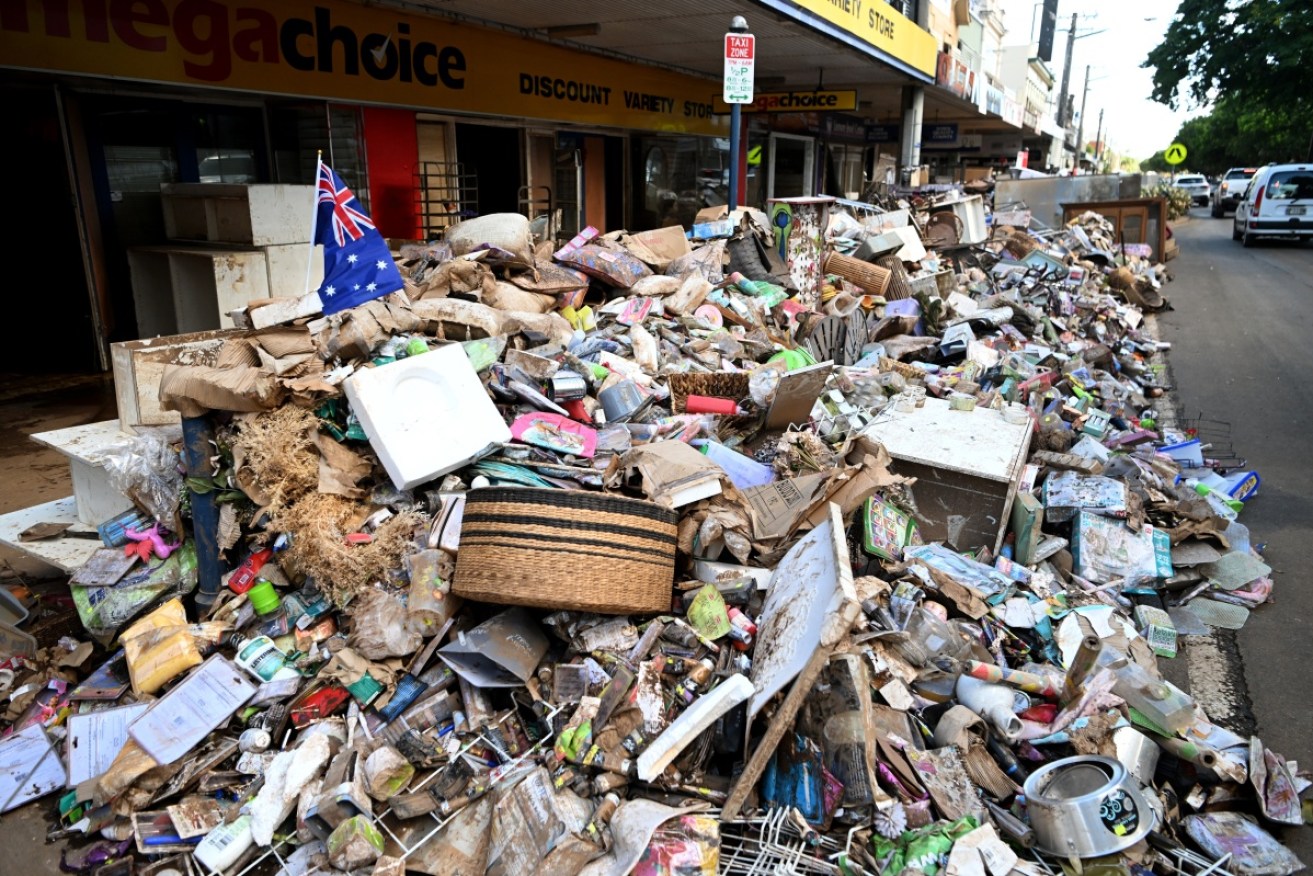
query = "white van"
{"x": 1277, "y": 203}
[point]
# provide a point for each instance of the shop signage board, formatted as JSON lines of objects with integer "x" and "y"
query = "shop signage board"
{"x": 740, "y": 60}
{"x": 797, "y": 102}
{"x": 877, "y": 24}
{"x": 341, "y": 51}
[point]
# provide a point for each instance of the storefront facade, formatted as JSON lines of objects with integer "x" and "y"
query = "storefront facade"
{"x": 429, "y": 118}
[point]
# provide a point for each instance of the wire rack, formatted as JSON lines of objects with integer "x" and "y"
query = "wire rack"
{"x": 772, "y": 845}
{"x": 1214, "y": 437}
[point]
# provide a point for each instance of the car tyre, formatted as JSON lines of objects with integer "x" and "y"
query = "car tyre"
{"x": 1218, "y": 213}
{"x": 1247, "y": 240}
{"x": 1235, "y": 231}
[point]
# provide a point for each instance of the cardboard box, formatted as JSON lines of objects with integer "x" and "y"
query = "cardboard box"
{"x": 967, "y": 465}
{"x": 139, "y": 365}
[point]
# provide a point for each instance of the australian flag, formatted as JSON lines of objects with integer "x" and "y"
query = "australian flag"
{"x": 358, "y": 266}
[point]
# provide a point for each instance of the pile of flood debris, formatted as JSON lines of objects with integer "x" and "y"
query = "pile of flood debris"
{"x": 843, "y": 544}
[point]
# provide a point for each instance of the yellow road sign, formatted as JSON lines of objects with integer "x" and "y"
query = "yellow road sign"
{"x": 1175, "y": 153}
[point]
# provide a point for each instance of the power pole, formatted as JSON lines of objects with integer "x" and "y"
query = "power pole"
{"x": 1080, "y": 126}
{"x": 1098, "y": 139}
{"x": 1066, "y": 74}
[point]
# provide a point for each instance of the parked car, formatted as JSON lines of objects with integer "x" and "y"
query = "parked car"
{"x": 1228, "y": 191}
{"x": 1196, "y": 185}
{"x": 1277, "y": 203}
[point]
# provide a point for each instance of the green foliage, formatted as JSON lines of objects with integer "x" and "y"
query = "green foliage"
{"x": 1258, "y": 50}
{"x": 1156, "y": 162}
{"x": 1253, "y": 61}
{"x": 1237, "y": 133}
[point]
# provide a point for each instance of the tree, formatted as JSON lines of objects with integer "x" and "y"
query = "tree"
{"x": 1257, "y": 50}
{"x": 1236, "y": 133}
{"x": 1156, "y": 162}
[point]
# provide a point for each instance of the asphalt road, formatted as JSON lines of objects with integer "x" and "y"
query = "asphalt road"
{"x": 1242, "y": 335}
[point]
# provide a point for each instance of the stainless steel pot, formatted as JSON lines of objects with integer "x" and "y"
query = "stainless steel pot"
{"x": 1086, "y": 806}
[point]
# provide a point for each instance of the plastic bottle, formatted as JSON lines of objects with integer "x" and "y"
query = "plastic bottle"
{"x": 225, "y": 844}
{"x": 695, "y": 681}
{"x": 261, "y": 657}
{"x": 993, "y": 702}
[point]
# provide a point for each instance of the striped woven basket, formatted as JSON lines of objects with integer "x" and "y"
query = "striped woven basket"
{"x": 566, "y": 549}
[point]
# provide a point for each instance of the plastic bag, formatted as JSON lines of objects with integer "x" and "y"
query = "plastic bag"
{"x": 380, "y": 627}
{"x": 764, "y": 381}
{"x": 685, "y": 846}
{"x": 103, "y": 610}
{"x": 147, "y": 470}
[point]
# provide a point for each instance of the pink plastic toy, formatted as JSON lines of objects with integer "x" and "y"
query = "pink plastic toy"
{"x": 147, "y": 542}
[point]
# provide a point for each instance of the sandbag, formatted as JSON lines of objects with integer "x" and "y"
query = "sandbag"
{"x": 656, "y": 286}
{"x": 507, "y": 235}
{"x": 505, "y": 296}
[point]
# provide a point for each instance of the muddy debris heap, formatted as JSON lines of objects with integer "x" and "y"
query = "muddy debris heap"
{"x": 847, "y": 544}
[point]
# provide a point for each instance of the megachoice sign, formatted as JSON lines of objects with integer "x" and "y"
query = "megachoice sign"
{"x": 349, "y": 52}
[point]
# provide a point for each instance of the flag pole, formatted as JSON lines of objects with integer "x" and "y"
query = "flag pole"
{"x": 314, "y": 222}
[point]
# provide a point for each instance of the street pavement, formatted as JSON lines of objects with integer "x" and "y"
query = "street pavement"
{"x": 1242, "y": 354}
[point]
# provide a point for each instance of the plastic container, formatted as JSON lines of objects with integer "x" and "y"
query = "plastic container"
{"x": 1160, "y": 701}
{"x": 264, "y": 598}
{"x": 993, "y": 702}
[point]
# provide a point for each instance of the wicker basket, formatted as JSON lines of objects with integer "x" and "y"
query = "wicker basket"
{"x": 1021, "y": 245}
{"x": 566, "y": 549}
{"x": 873, "y": 278}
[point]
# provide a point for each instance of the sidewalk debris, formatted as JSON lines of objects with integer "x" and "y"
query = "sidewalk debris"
{"x": 656, "y": 553}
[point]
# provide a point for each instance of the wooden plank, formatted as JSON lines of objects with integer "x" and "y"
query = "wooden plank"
{"x": 66, "y": 554}
{"x": 780, "y": 724}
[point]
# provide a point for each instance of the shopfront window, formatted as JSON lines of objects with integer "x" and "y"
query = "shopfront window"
{"x": 226, "y": 146}
{"x": 675, "y": 177}
{"x": 300, "y": 130}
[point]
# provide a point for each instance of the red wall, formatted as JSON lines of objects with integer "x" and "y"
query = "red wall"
{"x": 392, "y": 160}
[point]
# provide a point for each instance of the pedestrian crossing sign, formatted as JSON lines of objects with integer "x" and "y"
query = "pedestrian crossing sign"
{"x": 1175, "y": 153}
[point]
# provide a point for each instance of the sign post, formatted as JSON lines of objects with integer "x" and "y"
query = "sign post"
{"x": 740, "y": 58}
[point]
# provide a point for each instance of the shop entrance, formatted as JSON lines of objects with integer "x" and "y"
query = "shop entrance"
{"x": 590, "y": 182}
{"x": 490, "y": 155}
{"x": 45, "y": 239}
{"x": 138, "y": 145}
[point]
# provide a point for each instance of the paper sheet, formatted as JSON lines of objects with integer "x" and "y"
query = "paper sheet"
{"x": 743, "y": 471}
{"x": 29, "y": 767}
{"x": 95, "y": 739}
{"x": 179, "y": 720}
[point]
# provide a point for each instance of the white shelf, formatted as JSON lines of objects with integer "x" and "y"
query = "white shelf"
{"x": 66, "y": 554}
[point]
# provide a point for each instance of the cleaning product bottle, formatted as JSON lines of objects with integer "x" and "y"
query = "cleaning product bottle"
{"x": 259, "y": 656}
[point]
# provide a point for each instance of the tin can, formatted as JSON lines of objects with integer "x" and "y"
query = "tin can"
{"x": 566, "y": 386}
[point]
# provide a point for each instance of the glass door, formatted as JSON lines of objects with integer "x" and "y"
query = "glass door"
{"x": 792, "y": 164}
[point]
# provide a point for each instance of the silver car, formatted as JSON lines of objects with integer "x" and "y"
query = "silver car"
{"x": 1196, "y": 185}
